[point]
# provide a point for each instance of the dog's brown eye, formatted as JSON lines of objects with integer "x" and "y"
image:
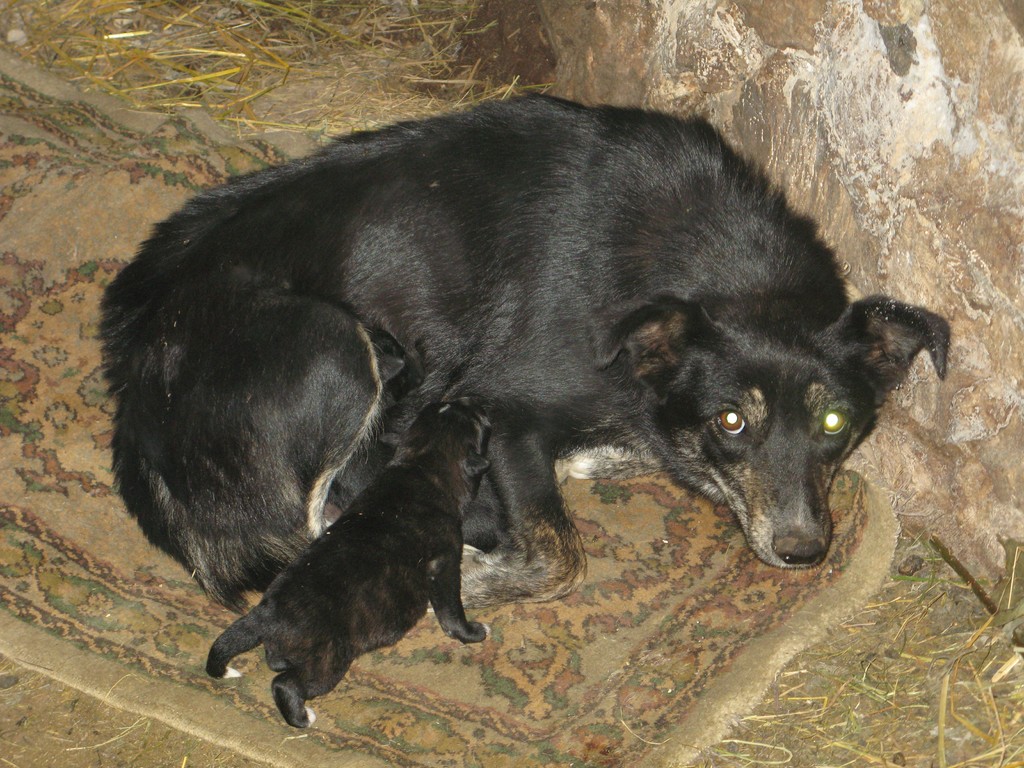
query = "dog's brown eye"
{"x": 833, "y": 423}
{"x": 731, "y": 421}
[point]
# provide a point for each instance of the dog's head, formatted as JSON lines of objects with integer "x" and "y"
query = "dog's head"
{"x": 450, "y": 436}
{"x": 761, "y": 415}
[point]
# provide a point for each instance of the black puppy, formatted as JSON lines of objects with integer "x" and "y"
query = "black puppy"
{"x": 607, "y": 281}
{"x": 369, "y": 578}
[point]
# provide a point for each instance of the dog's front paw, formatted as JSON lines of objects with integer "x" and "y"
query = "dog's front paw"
{"x": 555, "y": 568}
{"x": 473, "y": 632}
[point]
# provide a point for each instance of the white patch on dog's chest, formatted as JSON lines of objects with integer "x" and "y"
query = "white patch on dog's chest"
{"x": 605, "y": 462}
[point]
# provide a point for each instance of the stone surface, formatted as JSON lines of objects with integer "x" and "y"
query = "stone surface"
{"x": 783, "y": 23}
{"x": 597, "y": 43}
{"x": 899, "y": 126}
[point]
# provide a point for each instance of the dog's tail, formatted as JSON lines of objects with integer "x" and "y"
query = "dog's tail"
{"x": 242, "y": 636}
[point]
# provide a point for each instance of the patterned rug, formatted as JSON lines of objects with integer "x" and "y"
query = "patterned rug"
{"x": 677, "y": 629}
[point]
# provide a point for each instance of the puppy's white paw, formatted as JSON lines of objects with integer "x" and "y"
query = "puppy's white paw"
{"x": 311, "y": 715}
{"x": 231, "y": 672}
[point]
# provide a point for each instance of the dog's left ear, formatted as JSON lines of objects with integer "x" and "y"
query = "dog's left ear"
{"x": 888, "y": 335}
{"x": 652, "y": 338}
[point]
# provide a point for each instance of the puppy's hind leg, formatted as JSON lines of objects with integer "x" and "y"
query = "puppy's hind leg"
{"x": 296, "y": 685}
{"x": 290, "y": 697}
{"x": 242, "y": 636}
{"x": 446, "y": 599}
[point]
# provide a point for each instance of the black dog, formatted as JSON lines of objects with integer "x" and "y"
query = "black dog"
{"x": 367, "y": 581}
{"x": 598, "y": 278}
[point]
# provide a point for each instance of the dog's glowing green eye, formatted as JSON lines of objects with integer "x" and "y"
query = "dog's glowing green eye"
{"x": 731, "y": 421}
{"x": 833, "y": 423}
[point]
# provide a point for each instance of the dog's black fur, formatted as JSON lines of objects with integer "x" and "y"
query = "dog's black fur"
{"x": 597, "y": 277}
{"x": 369, "y": 578}
{"x": 238, "y": 402}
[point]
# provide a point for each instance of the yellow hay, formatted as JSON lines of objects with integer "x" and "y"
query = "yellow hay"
{"x": 230, "y": 57}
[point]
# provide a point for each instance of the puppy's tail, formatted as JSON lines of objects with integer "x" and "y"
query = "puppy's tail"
{"x": 242, "y": 636}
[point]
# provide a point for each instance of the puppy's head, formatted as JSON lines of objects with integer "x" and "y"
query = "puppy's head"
{"x": 760, "y": 416}
{"x": 450, "y": 435}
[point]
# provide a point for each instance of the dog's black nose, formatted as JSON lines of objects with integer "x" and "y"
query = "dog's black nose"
{"x": 793, "y": 550}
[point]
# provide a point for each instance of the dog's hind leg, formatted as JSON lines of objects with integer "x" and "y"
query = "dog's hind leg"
{"x": 348, "y": 466}
{"x": 242, "y": 636}
{"x": 226, "y": 445}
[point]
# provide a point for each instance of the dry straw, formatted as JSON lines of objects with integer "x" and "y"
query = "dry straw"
{"x": 922, "y": 677}
{"x": 310, "y": 66}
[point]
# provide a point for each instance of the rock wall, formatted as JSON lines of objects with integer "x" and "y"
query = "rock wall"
{"x": 899, "y": 126}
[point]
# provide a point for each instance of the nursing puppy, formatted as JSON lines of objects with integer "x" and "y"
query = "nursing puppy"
{"x": 368, "y": 579}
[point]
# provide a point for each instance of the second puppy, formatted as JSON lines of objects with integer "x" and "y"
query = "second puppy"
{"x": 368, "y": 579}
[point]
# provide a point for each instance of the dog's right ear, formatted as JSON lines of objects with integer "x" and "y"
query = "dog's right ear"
{"x": 652, "y": 339}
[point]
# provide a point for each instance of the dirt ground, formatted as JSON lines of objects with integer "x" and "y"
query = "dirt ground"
{"x": 916, "y": 678}
{"x": 44, "y": 723}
